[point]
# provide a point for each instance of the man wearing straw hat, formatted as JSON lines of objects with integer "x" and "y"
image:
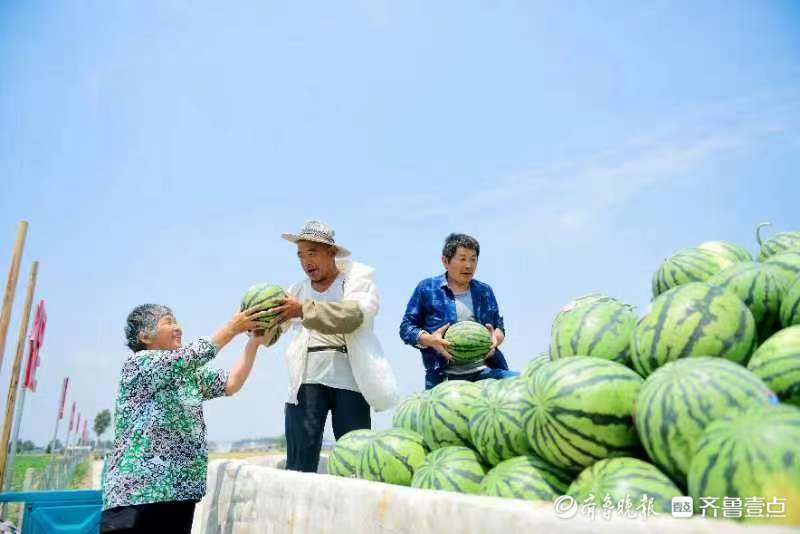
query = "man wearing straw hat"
{"x": 335, "y": 361}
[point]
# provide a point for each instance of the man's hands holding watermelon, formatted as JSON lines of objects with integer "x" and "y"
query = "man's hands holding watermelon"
{"x": 437, "y": 342}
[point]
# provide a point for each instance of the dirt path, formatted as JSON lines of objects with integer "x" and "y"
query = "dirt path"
{"x": 97, "y": 471}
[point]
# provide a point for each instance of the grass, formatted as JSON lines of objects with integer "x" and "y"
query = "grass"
{"x": 22, "y": 462}
{"x": 82, "y": 478}
{"x": 241, "y": 455}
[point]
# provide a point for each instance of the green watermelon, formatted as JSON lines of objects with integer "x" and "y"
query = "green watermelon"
{"x": 695, "y": 319}
{"x": 497, "y": 427}
{"x": 445, "y": 417}
{"x": 344, "y": 458}
{"x": 266, "y": 296}
{"x": 790, "y": 306}
{"x": 581, "y": 411}
{"x": 751, "y": 455}
{"x": 780, "y": 242}
{"x": 525, "y": 477}
{"x": 534, "y": 365}
{"x": 777, "y": 363}
{"x": 450, "y": 469}
{"x": 729, "y": 251}
{"x": 687, "y": 265}
{"x": 760, "y": 288}
{"x": 787, "y": 265}
{"x": 678, "y": 400}
{"x": 470, "y": 342}
{"x": 392, "y": 457}
{"x": 598, "y": 326}
{"x": 625, "y": 478}
{"x": 408, "y": 414}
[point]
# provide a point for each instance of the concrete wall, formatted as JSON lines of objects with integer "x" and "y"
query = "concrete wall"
{"x": 247, "y": 498}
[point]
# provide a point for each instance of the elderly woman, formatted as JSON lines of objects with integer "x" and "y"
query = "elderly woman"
{"x": 157, "y": 470}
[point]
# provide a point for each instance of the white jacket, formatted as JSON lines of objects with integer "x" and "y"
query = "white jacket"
{"x": 371, "y": 370}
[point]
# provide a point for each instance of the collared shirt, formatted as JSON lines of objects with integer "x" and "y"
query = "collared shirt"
{"x": 160, "y": 449}
{"x": 433, "y": 305}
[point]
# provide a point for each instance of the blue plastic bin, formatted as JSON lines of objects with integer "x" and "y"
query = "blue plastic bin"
{"x": 59, "y": 511}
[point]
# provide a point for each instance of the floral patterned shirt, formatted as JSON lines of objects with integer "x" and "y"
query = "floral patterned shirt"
{"x": 160, "y": 436}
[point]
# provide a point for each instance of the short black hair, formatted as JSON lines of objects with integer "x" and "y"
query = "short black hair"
{"x": 453, "y": 241}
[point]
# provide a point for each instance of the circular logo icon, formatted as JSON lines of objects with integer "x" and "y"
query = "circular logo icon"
{"x": 565, "y": 507}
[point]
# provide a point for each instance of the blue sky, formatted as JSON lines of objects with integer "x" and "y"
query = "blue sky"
{"x": 159, "y": 149}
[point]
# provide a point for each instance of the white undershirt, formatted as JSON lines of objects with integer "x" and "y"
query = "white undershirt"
{"x": 329, "y": 367}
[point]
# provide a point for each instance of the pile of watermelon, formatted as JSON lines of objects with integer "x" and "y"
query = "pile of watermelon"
{"x": 699, "y": 394}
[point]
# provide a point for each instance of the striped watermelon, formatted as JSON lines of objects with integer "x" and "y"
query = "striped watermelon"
{"x": 780, "y": 242}
{"x": 682, "y": 397}
{"x": 598, "y": 326}
{"x": 751, "y": 455}
{"x": 408, "y": 414}
{"x": 622, "y": 479}
{"x": 687, "y": 265}
{"x": 445, "y": 417}
{"x": 450, "y": 469}
{"x": 497, "y": 424}
{"x": 525, "y": 477}
{"x": 694, "y": 319}
{"x": 534, "y": 365}
{"x": 345, "y": 456}
{"x": 265, "y": 296}
{"x": 787, "y": 265}
{"x": 790, "y": 306}
{"x": 392, "y": 456}
{"x": 581, "y": 411}
{"x": 777, "y": 363}
{"x": 470, "y": 342}
{"x": 727, "y": 250}
{"x": 760, "y": 288}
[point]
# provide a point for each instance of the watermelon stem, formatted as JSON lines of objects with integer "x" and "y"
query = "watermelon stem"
{"x": 758, "y": 231}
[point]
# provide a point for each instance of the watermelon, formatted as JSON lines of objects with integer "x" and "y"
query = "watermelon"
{"x": 470, "y": 342}
{"x": 695, "y": 319}
{"x": 534, "y": 365}
{"x": 450, "y": 469}
{"x": 777, "y": 363}
{"x": 496, "y": 427}
{"x": 525, "y": 477}
{"x": 790, "y": 306}
{"x": 780, "y": 242}
{"x": 581, "y": 411}
{"x": 445, "y": 417}
{"x": 408, "y": 414}
{"x": 392, "y": 456}
{"x": 622, "y": 479}
{"x": 600, "y": 326}
{"x": 728, "y": 251}
{"x": 787, "y": 265}
{"x": 751, "y": 456}
{"x": 343, "y": 460}
{"x": 760, "y": 288}
{"x": 265, "y": 296}
{"x": 687, "y": 265}
{"x": 678, "y": 400}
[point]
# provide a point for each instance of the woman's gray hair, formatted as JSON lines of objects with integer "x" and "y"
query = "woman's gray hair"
{"x": 143, "y": 320}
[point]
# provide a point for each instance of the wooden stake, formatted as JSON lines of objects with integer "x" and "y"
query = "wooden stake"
{"x": 12, "y": 386}
{"x": 11, "y": 286}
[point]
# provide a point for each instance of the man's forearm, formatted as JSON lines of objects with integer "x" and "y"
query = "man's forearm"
{"x": 332, "y": 317}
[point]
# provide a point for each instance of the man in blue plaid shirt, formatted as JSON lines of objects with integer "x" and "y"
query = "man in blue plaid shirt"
{"x": 443, "y": 300}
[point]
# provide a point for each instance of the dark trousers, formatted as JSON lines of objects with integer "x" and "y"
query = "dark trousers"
{"x": 172, "y": 516}
{"x": 305, "y": 422}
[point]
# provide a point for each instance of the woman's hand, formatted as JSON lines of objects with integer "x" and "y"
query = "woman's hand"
{"x": 248, "y": 319}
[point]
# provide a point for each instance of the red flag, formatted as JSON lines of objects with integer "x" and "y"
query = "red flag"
{"x": 85, "y": 433}
{"x": 36, "y": 340}
{"x": 78, "y": 424}
{"x": 72, "y": 416}
{"x": 63, "y": 400}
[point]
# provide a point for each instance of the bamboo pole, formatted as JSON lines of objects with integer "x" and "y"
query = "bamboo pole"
{"x": 14, "y": 382}
{"x": 11, "y": 286}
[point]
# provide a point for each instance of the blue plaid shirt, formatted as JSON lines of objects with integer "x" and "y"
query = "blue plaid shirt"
{"x": 433, "y": 305}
